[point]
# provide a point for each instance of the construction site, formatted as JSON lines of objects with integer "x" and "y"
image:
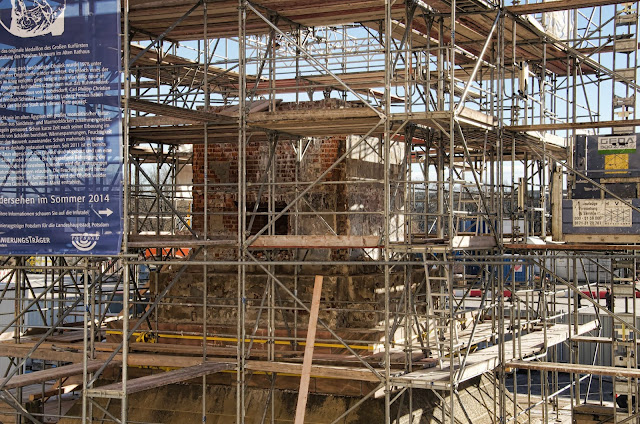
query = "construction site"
{"x": 367, "y": 211}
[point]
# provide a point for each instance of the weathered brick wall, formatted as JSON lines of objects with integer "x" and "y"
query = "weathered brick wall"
{"x": 222, "y": 201}
{"x": 353, "y": 295}
{"x": 361, "y": 166}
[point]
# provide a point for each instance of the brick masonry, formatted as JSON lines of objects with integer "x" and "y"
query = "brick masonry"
{"x": 352, "y": 298}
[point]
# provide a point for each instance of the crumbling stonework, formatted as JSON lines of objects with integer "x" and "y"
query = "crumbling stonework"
{"x": 352, "y": 300}
{"x": 350, "y": 200}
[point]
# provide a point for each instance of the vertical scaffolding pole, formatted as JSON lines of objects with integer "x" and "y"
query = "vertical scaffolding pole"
{"x": 241, "y": 216}
{"x": 388, "y": 66}
{"x": 451, "y": 218}
{"x": 205, "y": 219}
{"x": 125, "y": 211}
{"x": 85, "y": 342}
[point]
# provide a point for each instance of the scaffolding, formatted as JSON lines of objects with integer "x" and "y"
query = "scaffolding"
{"x": 416, "y": 155}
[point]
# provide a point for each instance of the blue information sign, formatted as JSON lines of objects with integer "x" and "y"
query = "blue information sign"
{"x": 60, "y": 127}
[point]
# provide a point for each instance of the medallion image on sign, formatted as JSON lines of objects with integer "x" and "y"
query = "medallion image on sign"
{"x": 85, "y": 241}
{"x": 32, "y": 18}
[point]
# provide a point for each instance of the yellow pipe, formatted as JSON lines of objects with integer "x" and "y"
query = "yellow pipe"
{"x": 234, "y": 340}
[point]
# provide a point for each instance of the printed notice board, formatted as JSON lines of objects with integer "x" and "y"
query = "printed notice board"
{"x": 601, "y": 213}
{"x": 60, "y": 127}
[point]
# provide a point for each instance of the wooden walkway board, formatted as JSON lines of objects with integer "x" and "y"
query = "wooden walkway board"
{"x": 170, "y": 377}
{"x": 314, "y": 241}
{"x": 576, "y": 368}
{"x": 597, "y": 339}
{"x": 487, "y": 359}
{"x": 322, "y": 371}
{"x": 67, "y": 336}
{"x": 52, "y": 374}
{"x": 571, "y": 246}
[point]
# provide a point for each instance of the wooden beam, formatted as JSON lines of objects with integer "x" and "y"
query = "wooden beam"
{"x": 316, "y": 242}
{"x": 594, "y": 339}
{"x": 552, "y": 6}
{"x": 305, "y": 378}
{"x": 614, "y": 180}
{"x": 573, "y": 125}
{"x": 179, "y": 112}
{"x": 322, "y": 371}
{"x": 151, "y": 121}
{"x": 170, "y": 377}
{"x": 178, "y": 241}
{"x": 571, "y": 247}
{"x": 607, "y": 239}
{"x": 165, "y": 68}
{"x": 574, "y": 368}
{"x": 53, "y": 374}
{"x": 43, "y": 352}
{"x": 46, "y": 352}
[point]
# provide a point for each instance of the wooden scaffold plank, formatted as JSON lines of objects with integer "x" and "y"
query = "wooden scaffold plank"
{"x": 318, "y": 242}
{"x": 53, "y": 374}
{"x": 308, "y": 351}
{"x": 575, "y": 368}
{"x": 525, "y": 9}
{"x": 170, "y": 377}
{"x": 485, "y": 360}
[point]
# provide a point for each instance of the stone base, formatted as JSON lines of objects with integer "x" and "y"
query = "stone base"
{"x": 182, "y": 404}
